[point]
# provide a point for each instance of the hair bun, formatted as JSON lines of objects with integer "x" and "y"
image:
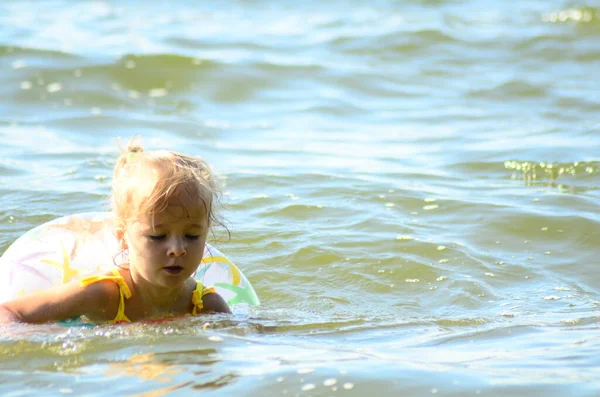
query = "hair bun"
{"x": 134, "y": 148}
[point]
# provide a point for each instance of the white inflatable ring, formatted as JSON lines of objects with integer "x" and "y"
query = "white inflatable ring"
{"x": 74, "y": 246}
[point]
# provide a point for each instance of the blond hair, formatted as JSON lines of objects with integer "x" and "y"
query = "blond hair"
{"x": 144, "y": 182}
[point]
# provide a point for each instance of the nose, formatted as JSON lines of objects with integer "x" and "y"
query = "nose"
{"x": 176, "y": 248}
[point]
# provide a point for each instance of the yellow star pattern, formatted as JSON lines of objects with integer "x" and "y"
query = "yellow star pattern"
{"x": 68, "y": 272}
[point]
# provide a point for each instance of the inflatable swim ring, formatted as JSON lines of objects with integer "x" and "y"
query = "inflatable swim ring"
{"x": 74, "y": 246}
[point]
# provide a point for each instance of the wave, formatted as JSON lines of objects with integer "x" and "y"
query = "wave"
{"x": 11, "y": 51}
{"x": 515, "y": 89}
{"x": 398, "y": 43}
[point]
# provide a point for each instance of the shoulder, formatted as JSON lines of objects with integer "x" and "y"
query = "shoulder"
{"x": 101, "y": 299}
{"x": 214, "y": 303}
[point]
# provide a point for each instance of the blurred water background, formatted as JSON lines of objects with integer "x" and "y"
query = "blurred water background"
{"x": 411, "y": 187}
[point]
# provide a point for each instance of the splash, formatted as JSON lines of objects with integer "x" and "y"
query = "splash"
{"x": 577, "y": 15}
{"x": 531, "y": 171}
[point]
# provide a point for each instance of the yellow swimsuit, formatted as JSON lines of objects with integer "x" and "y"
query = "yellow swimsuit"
{"x": 125, "y": 293}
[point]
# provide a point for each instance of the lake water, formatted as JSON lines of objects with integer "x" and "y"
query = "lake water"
{"x": 411, "y": 187}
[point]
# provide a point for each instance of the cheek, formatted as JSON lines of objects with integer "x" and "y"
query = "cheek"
{"x": 198, "y": 248}
{"x": 145, "y": 253}
{"x": 137, "y": 245}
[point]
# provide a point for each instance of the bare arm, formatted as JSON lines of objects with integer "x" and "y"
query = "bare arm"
{"x": 63, "y": 302}
{"x": 6, "y": 316}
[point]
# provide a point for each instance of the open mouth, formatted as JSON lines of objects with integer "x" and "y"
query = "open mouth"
{"x": 173, "y": 269}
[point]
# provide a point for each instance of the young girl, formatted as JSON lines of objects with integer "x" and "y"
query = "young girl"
{"x": 163, "y": 206}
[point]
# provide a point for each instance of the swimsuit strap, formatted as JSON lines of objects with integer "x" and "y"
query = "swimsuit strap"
{"x": 124, "y": 292}
{"x": 197, "y": 295}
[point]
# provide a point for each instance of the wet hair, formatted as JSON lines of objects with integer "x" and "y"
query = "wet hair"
{"x": 144, "y": 182}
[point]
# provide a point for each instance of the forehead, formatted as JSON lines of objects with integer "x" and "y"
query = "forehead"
{"x": 186, "y": 203}
{"x": 189, "y": 201}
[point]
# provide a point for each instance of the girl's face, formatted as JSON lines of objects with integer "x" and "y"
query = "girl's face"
{"x": 166, "y": 248}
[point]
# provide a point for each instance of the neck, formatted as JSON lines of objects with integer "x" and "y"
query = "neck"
{"x": 156, "y": 299}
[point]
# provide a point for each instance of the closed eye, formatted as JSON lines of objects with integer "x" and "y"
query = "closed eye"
{"x": 160, "y": 237}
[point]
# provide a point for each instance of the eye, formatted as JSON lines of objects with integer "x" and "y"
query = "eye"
{"x": 192, "y": 236}
{"x": 157, "y": 237}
